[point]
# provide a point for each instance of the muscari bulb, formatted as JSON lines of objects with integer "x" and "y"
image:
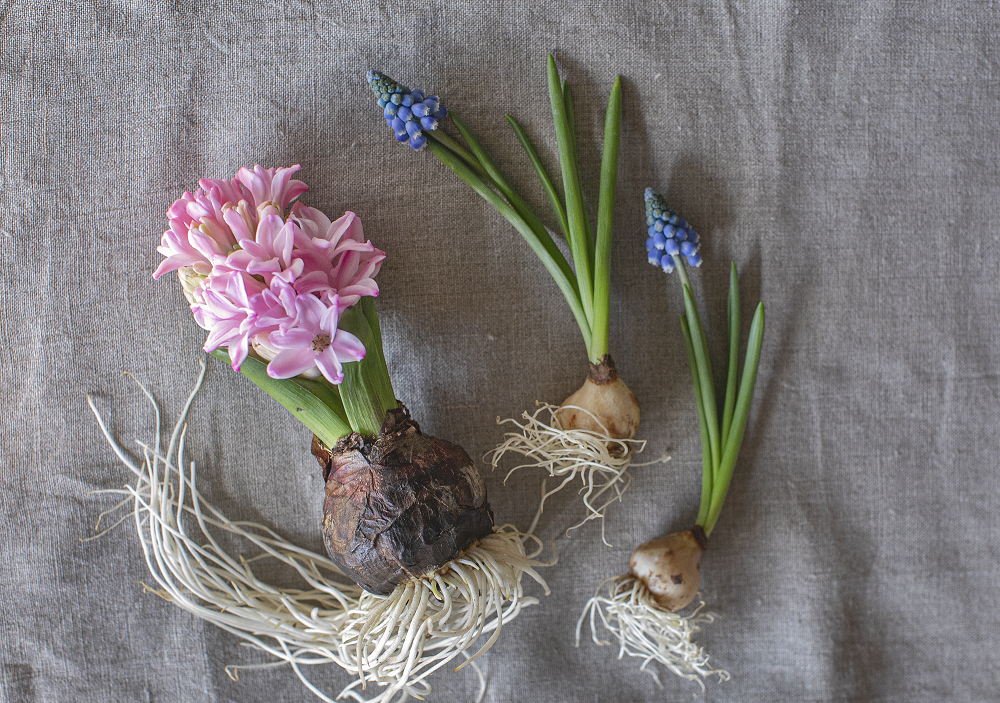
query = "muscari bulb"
{"x": 670, "y": 567}
{"x": 605, "y": 401}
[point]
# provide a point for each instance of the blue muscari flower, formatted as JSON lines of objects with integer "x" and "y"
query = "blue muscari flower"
{"x": 668, "y": 235}
{"x": 407, "y": 112}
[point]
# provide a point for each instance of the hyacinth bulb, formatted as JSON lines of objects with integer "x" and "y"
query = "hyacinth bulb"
{"x": 670, "y": 567}
{"x": 399, "y": 505}
{"x": 603, "y": 404}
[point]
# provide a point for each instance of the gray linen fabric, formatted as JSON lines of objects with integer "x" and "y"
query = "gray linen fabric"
{"x": 845, "y": 155}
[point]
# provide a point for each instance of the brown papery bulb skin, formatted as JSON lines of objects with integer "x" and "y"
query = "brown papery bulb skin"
{"x": 399, "y": 505}
{"x": 670, "y": 567}
{"x": 605, "y": 395}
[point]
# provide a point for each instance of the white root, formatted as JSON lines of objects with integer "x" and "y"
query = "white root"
{"x": 393, "y": 641}
{"x": 567, "y": 455}
{"x": 647, "y": 631}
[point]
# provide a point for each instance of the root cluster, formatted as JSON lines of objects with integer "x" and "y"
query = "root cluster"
{"x": 643, "y": 629}
{"x": 597, "y": 460}
{"x": 394, "y": 641}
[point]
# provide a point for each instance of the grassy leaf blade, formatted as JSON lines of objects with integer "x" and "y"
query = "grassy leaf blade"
{"x": 734, "y": 353}
{"x": 508, "y": 192}
{"x": 605, "y": 218}
{"x": 740, "y": 415}
{"x": 541, "y": 235}
{"x": 557, "y": 267}
{"x": 557, "y": 207}
{"x": 704, "y": 374}
{"x": 376, "y": 355}
{"x": 366, "y": 391}
{"x": 575, "y": 210}
{"x": 707, "y": 470}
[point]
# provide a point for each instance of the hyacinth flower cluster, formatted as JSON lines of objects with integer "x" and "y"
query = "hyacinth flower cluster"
{"x": 267, "y": 274}
{"x": 408, "y": 113}
{"x": 670, "y": 236}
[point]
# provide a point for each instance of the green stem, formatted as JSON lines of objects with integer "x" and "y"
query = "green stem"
{"x": 605, "y": 217}
{"x": 681, "y": 272}
{"x": 459, "y": 150}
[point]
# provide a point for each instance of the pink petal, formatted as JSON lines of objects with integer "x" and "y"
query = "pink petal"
{"x": 310, "y": 311}
{"x": 239, "y": 226}
{"x": 328, "y": 323}
{"x": 291, "y": 362}
{"x": 238, "y": 352}
{"x": 330, "y": 367}
{"x": 347, "y": 347}
{"x": 219, "y": 336}
{"x": 172, "y": 263}
{"x": 292, "y": 272}
{"x": 338, "y": 227}
{"x": 295, "y": 338}
{"x": 284, "y": 241}
{"x": 312, "y": 282}
{"x": 267, "y": 232}
{"x": 311, "y": 220}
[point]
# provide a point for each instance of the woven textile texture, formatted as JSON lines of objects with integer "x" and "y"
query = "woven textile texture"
{"x": 845, "y": 155}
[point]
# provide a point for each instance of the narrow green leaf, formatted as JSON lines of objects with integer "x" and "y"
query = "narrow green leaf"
{"x": 605, "y": 218}
{"x": 705, "y": 375}
{"x": 734, "y": 353}
{"x": 366, "y": 389}
{"x": 575, "y": 208}
{"x": 543, "y": 176}
{"x": 386, "y": 394}
{"x": 707, "y": 471}
{"x": 314, "y": 403}
{"x": 588, "y": 237}
{"x": 740, "y": 415}
{"x": 558, "y": 268}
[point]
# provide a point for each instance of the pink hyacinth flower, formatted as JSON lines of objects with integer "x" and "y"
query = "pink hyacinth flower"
{"x": 313, "y": 341}
{"x": 350, "y": 262}
{"x": 234, "y": 308}
{"x": 272, "y": 185}
{"x": 254, "y": 278}
{"x": 198, "y": 233}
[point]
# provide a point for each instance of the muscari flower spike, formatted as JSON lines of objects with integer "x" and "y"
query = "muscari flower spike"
{"x": 407, "y": 112}
{"x": 669, "y": 235}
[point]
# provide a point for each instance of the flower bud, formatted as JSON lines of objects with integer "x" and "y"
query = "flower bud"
{"x": 190, "y": 281}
